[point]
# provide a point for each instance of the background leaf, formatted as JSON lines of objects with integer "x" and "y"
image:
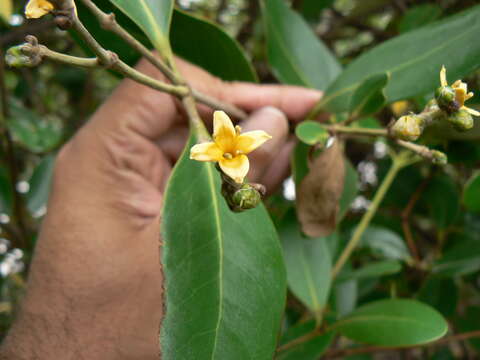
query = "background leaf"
{"x": 461, "y": 259}
{"x": 34, "y": 133}
{"x": 295, "y": 54}
{"x": 40, "y": 182}
{"x": 444, "y": 209}
{"x": 413, "y": 60}
{"x": 6, "y": 194}
{"x": 370, "y": 95}
{"x": 306, "y": 350}
{"x": 152, "y": 16}
{"x": 419, "y": 16}
{"x": 308, "y": 263}
{"x": 385, "y": 243}
{"x": 311, "y": 9}
{"x": 224, "y": 273}
{"x": 371, "y": 270}
{"x": 441, "y": 293}
{"x": 393, "y": 322}
{"x": 209, "y": 46}
{"x": 350, "y": 189}
{"x": 471, "y": 193}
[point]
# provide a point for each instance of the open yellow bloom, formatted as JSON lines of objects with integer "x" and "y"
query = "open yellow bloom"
{"x": 37, "y": 8}
{"x": 229, "y": 147}
{"x": 461, "y": 92}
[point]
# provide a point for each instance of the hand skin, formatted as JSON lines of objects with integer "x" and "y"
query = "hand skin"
{"x": 94, "y": 289}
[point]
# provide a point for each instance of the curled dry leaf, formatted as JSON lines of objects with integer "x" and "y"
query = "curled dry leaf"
{"x": 320, "y": 191}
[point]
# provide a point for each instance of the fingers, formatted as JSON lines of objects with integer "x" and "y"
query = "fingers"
{"x": 275, "y": 123}
{"x": 294, "y": 101}
{"x": 279, "y": 170}
{"x": 172, "y": 144}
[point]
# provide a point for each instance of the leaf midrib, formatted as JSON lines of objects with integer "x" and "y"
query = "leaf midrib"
{"x": 352, "y": 87}
{"x": 364, "y": 318}
{"x": 216, "y": 211}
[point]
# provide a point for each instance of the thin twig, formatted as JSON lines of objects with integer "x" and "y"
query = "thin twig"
{"x": 341, "y": 353}
{"x": 109, "y": 23}
{"x": 307, "y": 337}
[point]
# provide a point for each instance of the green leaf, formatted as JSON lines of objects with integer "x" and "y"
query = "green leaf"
{"x": 441, "y": 293}
{"x": 6, "y": 193}
{"x": 224, "y": 273}
{"x": 393, "y": 322}
{"x": 36, "y": 134}
{"x": 40, "y": 182}
{"x": 471, "y": 193}
{"x": 372, "y": 270}
{"x": 295, "y": 53}
{"x": 443, "y": 209}
{"x": 419, "y": 16}
{"x": 386, "y": 243}
{"x": 413, "y": 60}
{"x": 311, "y": 9}
{"x": 369, "y": 96}
{"x": 152, "y": 16}
{"x": 311, "y": 132}
{"x": 299, "y": 162}
{"x": 461, "y": 259}
{"x": 345, "y": 297}
{"x": 469, "y": 322}
{"x": 308, "y": 264}
{"x": 207, "y": 45}
{"x": 311, "y": 349}
{"x": 350, "y": 189}
{"x": 194, "y": 39}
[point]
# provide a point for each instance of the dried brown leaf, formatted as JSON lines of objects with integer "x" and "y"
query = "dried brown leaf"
{"x": 320, "y": 191}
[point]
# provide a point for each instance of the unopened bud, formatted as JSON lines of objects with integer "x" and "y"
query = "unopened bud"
{"x": 461, "y": 120}
{"x": 439, "y": 157}
{"x": 408, "y": 127}
{"x": 16, "y": 57}
{"x": 245, "y": 198}
{"x": 445, "y": 96}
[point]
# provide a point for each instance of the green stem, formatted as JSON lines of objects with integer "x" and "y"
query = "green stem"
{"x": 399, "y": 162}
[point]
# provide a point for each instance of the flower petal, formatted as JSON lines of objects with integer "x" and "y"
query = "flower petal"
{"x": 37, "y": 8}
{"x": 236, "y": 168}
{"x": 460, "y": 95}
{"x": 206, "y": 152}
{"x": 249, "y": 141}
{"x": 471, "y": 111}
{"x": 223, "y": 131}
{"x": 443, "y": 76}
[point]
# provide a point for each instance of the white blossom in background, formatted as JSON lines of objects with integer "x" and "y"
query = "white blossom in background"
{"x": 4, "y": 219}
{"x": 23, "y": 187}
{"x": 361, "y": 203}
{"x": 380, "y": 149}
{"x": 289, "y": 189}
{"x": 368, "y": 173}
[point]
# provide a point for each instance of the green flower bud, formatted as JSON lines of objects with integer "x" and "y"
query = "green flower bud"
{"x": 461, "y": 120}
{"x": 439, "y": 157}
{"x": 20, "y": 56}
{"x": 408, "y": 127}
{"x": 445, "y": 96}
{"x": 247, "y": 197}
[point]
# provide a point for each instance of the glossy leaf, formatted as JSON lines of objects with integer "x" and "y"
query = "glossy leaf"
{"x": 370, "y": 95}
{"x": 372, "y": 270}
{"x": 471, "y": 193}
{"x": 33, "y": 132}
{"x": 40, "y": 182}
{"x": 393, "y": 322}
{"x": 224, "y": 274}
{"x": 413, "y": 60}
{"x": 385, "y": 243}
{"x": 461, "y": 259}
{"x": 6, "y": 193}
{"x": 311, "y": 132}
{"x": 311, "y": 349}
{"x": 418, "y": 16}
{"x": 308, "y": 263}
{"x": 209, "y": 46}
{"x": 152, "y": 16}
{"x": 295, "y": 53}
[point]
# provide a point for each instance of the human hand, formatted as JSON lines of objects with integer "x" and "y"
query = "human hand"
{"x": 95, "y": 284}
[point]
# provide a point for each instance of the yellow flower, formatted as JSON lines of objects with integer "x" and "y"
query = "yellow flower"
{"x": 461, "y": 92}
{"x": 229, "y": 148}
{"x": 37, "y": 8}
